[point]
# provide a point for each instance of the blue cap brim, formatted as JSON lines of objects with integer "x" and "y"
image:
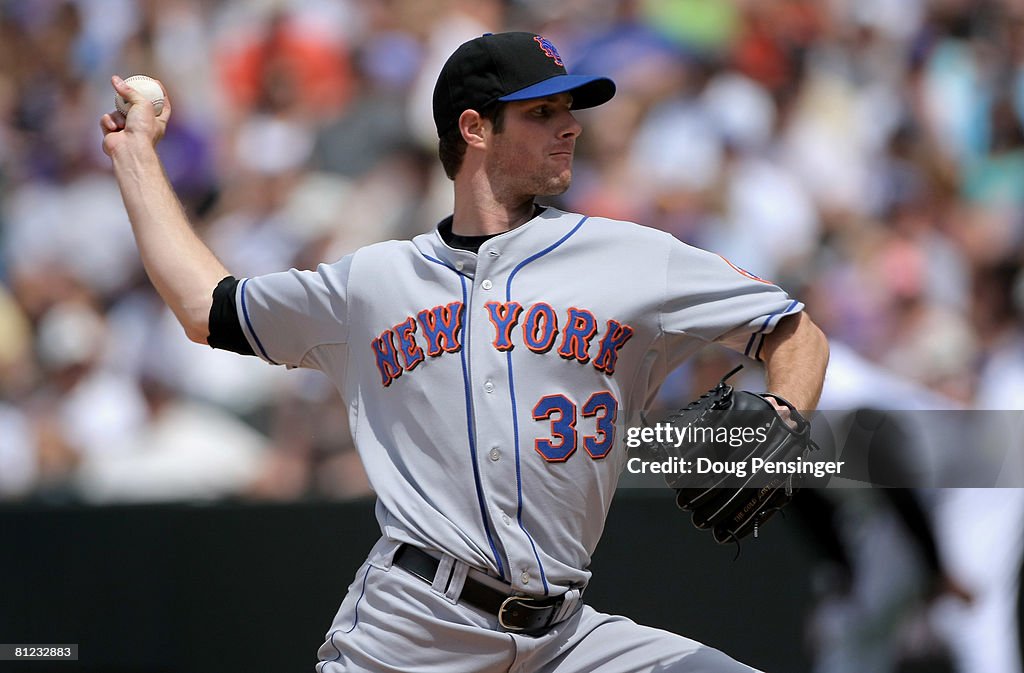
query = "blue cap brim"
{"x": 586, "y": 91}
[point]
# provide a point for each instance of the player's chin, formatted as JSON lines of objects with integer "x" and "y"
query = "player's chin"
{"x": 559, "y": 184}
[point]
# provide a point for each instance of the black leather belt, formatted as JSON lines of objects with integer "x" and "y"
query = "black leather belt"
{"x": 518, "y": 614}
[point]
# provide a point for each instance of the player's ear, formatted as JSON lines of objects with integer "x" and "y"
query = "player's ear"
{"x": 471, "y": 124}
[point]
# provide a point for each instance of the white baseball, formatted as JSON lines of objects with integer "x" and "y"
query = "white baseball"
{"x": 148, "y": 87}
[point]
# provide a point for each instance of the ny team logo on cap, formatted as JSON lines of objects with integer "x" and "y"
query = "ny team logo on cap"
{"x": 505, "y": 67}
{"x": 549, "y": 49}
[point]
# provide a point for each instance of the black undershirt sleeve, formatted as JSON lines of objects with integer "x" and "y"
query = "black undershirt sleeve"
{"x": 225, "y": 329}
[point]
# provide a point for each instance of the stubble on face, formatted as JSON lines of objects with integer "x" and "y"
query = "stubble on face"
{"x": 533, "y": 154}
{"x": 524, "y": 174}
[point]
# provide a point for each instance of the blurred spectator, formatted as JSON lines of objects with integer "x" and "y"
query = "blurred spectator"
{"x": 182, "y": 451}
{"x": 79, "y": 408}
{"x": 293, "y": 60}
{"x": 18, "y": 468}
{"x": 16, "y": 344}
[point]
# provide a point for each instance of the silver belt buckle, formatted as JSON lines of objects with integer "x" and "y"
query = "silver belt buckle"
{"x": 521, "y": 601}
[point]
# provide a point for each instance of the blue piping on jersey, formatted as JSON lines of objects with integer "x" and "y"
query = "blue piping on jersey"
{"x": 248, "y": 323}
{"x": 758, "y": 333}
{"x": 750, "y": 342}
{"x": 355, "y": 622}
{"x": 760, "y": 347}
{"x": 752, "y": 352}
{"x": 512, "y": 394}
{"x": 470, "y": 422}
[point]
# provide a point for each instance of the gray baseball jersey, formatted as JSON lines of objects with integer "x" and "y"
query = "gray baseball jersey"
{"x": 487, "y": 392}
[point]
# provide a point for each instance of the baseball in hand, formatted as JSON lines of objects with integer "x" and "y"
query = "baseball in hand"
{"x": 148, "y": 87}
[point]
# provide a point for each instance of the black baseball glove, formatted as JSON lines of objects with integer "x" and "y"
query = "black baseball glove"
{"x": 744, "y": 462}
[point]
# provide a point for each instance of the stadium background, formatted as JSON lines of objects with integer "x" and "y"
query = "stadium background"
{"x": 866, "y": 155}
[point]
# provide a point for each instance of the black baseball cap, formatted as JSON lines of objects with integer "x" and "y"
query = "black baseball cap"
{"x": 508, "y": 67}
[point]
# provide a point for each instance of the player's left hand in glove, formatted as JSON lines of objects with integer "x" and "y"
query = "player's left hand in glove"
{"x": 734, "y": 443}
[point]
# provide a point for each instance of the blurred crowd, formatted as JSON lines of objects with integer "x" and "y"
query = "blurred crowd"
{"x": 867, "y": 155}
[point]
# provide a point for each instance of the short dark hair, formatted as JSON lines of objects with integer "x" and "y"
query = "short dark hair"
{"x": 451, "y": 148}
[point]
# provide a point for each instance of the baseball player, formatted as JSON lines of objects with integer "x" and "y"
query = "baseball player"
{"x": 489, "y": 368}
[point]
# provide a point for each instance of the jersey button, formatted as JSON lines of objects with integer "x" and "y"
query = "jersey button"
{"x": 525, "y": 577}
{"x": 495, "y": 454}
{"x": 460, "y": 265}
{"x": 506, "y": 520}
{"x": 487, "y": 285}
{"x": 488, "y": 386}
{"x": 493, "y": 253}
